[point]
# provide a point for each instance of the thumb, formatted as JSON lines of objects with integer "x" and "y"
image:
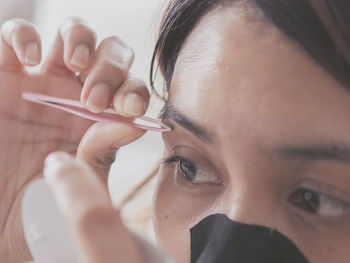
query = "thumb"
{"x": 101, "y": 142}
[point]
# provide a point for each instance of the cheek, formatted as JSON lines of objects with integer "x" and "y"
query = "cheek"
{"x": 171, "y": 226}
{"x": 323, "y": 243}
{"x": 175, "y": 211}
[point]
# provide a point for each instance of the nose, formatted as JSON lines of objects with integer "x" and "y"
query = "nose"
{"x": 253, "y": 204}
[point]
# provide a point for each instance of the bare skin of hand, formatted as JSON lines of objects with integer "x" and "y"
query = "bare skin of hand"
{"x": 98, "y": 230}
{"x": 75, "y": 69}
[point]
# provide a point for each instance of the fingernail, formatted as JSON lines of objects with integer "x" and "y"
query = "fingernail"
{"x": 56, "y": 157}
{"x": 118, "y": 104}
{"x": 54, "y": 163}
{"x": 99, "y": 98}
{"x": 134, "y": 104}
{"x": 80, "y": 56}
{"x": 32, "y": 54}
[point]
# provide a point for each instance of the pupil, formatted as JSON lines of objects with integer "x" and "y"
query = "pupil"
{"x": 311, "y": 200}
{"x": 188, "y": 169}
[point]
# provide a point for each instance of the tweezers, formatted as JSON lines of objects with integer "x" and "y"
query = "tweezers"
{"x": 109, "y": 115}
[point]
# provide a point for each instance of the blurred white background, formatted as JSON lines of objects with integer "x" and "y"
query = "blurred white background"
{"x": 136, "y": 21}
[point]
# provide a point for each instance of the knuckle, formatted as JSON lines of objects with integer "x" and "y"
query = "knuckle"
{"x": 105, "y": 160}
{"x": 99, "y": 162}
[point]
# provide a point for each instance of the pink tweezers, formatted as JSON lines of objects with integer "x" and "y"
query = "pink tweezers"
{"x": 109, "y": 115}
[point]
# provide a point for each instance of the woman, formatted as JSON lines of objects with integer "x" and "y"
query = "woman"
{"x": 258, "y": 99}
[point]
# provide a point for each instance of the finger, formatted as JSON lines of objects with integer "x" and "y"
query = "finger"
{"x": 84, "y": 202}
{"x": 101, "y": 142}
{"x": 20, "y": 44}
{"x": 73, "y": 49}
{"x": 132, "y": 98}
{"x": 108, "y": 72}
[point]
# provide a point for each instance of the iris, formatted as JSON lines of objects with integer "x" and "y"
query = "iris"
{"x": 188, "y": 169}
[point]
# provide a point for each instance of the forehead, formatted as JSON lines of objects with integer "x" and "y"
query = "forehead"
{"x": 237, "y": 74}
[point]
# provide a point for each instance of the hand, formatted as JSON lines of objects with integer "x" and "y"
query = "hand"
{"x": 96, "y": 226}
{"x": 73, "y": 68}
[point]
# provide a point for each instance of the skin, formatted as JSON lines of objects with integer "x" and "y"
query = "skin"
{"x": 275, "y": 122}
{"x": 30, "y": 132}
{"x": 258, "y": 95}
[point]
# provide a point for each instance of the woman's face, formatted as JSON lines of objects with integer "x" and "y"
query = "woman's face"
{"x": 262, "y": 134}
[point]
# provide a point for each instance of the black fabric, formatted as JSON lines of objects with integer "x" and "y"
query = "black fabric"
{"x": 218, "y": 239}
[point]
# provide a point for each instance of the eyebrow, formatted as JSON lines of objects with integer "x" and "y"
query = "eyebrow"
{"x": 169, "y": 111}
{"x": 339, "y": 152}
{"x": 331, "y": 152}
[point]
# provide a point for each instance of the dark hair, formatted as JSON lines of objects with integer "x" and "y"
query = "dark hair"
{"x": 321, "y": 27}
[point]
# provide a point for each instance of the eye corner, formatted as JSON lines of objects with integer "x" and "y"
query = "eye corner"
{"x": 319, "y": 205}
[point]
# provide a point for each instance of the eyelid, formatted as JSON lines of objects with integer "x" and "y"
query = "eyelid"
{"x": 323, "y": 189}
{"x": 188, "y": 153}
{"x": 171, "y": 159}
{"x": 320, "y": 217}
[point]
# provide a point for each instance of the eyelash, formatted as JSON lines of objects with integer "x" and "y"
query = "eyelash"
{"x": 177, "y": 159}
{"x": 172, "y": 159}
{"x": 201, "y": 175}
{"x": 306, "y": 200}
{"x": 311, "y": 202}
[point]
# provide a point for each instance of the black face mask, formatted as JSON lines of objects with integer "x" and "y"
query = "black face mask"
{"x": 218, "y": 239}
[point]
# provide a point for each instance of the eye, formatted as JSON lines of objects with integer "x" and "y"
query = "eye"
{"x": 192, "y": 172}
{"x": 188, "y": 169}
{"x": 319, "y": 204}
